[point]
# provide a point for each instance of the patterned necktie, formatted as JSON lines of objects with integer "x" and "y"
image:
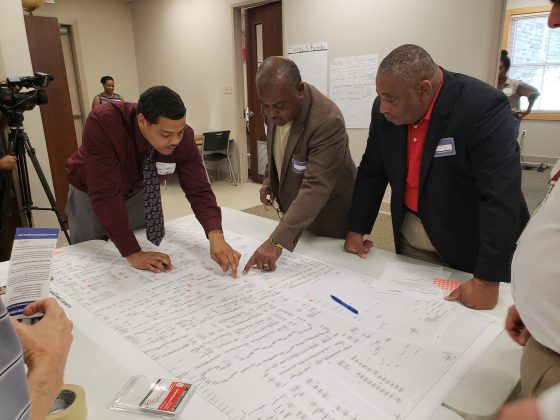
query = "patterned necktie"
{"x": 153, "y": 214}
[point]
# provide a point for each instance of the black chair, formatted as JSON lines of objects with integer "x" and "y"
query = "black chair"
{"x": 215, "y": 148}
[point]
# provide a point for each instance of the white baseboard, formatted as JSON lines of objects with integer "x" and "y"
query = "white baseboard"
{"x": 537, "y": 160}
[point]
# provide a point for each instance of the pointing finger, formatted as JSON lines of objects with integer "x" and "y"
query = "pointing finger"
{"x": 233, "y": 264}
{"x": 249, "y": 264}
{"x": 454, "y": 295}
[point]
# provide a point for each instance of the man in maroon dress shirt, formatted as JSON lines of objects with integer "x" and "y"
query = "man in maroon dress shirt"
{"x": 106, "y": 197}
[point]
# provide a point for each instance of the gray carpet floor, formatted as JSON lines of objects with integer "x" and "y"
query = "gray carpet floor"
{"x": 534, "y": 186}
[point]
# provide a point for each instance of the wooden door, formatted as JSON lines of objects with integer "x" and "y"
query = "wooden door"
{"x": 45, "y": 48}
{"x": 263, "y": 31}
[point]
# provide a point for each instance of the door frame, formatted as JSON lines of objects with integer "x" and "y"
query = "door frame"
{"x": 239, "y": 80}
{"x": 79, "y": 66}
{"x": 81, "y": 101}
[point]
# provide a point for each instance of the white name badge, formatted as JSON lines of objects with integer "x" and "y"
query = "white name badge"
{"x": 444, "y": 148}
{"x": 299, "y": 166}
{"x": 164, "y": 168}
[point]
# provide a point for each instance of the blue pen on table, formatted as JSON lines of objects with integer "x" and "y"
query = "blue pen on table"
{"x": 350, "y": 308}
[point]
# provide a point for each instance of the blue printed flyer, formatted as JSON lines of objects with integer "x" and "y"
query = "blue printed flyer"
{"x": 30, "y": 267}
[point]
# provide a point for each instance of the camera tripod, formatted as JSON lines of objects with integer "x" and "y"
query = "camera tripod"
{"x": 19, "y": 146}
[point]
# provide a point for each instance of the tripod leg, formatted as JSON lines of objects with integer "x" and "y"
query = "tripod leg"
{"x": 16, "y": 148}
{"x": 25, "y": 189}
{"x": 6, "y": 191}
{"x": 31, "y": 153}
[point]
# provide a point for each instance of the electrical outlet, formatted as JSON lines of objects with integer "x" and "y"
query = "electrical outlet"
{"x": 523, "y": 133}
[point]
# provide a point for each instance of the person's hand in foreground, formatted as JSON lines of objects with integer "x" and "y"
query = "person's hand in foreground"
{"x": 477, "y": 294}
{"x": 45, "y": 348}
{"x": 515, "y": 327}
{"x": 156, "y": 262}
{"x": 264, "y": 257}
{"x": 525, "y": 409}
{"x": 7, "y": 162}
{"x": 355, "y": 244}
{"x": 221, "y": 252}
{"x": 266, "y": 195}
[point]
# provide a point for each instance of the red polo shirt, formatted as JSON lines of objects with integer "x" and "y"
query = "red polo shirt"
{"x": 415, "y": 146}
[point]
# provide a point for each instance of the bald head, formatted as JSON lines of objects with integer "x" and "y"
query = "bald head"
{"x": 280, "y": 89}
{"x": 407, "y": 81}
{"x": 278, "y": 69}
{"x": 409, "y": 63}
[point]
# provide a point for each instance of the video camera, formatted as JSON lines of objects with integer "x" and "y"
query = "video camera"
{"x": 12, "y": 100}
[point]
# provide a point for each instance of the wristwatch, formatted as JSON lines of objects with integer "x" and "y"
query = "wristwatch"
{"x": 276, "y": 244}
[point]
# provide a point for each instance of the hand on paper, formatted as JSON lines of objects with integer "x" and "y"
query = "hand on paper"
{"x": 477, "y": 294}
{"x": 516, "y": 328}
{"x": 223, "y": 253}
{"x": 355, "y": 244}
{"x": 264, "y": 258}
{"x": 526, "y": 409}
{"x": 45, "y": 348}
{"x": 7, "y": 162}
{"x": 156, "y": 262}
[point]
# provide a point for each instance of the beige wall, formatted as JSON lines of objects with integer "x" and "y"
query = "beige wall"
{"x": 104, "y": 41}
{"x": 465, "y": 45}
{"x": 515, "y": 4}
{"x": 542, "y": 142}
{"x": 188, "y": 43}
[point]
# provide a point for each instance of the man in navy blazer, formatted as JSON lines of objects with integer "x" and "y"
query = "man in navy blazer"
{"x": 444, "y": 142}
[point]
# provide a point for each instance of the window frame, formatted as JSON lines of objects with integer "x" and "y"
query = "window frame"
{"x": 506, "y": 31}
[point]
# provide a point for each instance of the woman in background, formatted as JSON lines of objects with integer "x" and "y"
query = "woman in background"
{"x": 108, "y": 94}
{"x": 514, "y": 90}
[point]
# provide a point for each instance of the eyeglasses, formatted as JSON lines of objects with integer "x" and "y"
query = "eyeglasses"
{"x": 275, "y": 207}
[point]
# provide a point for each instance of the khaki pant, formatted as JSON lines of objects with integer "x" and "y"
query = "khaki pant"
{"x": 540, "y": 369}
{"x": 414, "y": 241}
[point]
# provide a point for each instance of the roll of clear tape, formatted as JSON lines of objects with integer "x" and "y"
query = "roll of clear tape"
{"x": 70, "y": 404}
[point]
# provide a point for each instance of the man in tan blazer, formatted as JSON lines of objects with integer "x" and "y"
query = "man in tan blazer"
{"x": 310, "y": 172}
